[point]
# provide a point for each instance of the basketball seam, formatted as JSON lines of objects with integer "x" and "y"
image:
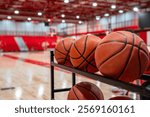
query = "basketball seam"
{"x": 127, "y": 59}
{"x": 121, "y": 33}
{"x": 143, "y": 49}
{"x": 89, "y": 91}
{"x": 85, "y": 60}
{"x": 75, "y": 93}
{"x": 117, "y": 52}
{"x": 81, "y": 55}
{"x": 139, "y": 60}
{"x": 64, "y": 46}
{"x": 114, "y": 53}
{"x": 78, "y": 50}
{"x": 67, "y": 54}
{"x": 123, "y": 42}
{"x": 86, "y": 67}
{"x": 59, "y": 51}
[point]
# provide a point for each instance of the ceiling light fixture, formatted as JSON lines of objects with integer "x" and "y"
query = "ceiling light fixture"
{"x": 9, "y": 17}
{"x": 49, "y": 20}
{"x": 16, "y": 12}
{"x": 97, "y": 17}
{"x": 120, "y": 11}
{"x": 77, "y": 16}
{"x": 39, "y": 13}
{"x": 113, "y": 6}
{"x": 66, "y": 1}
{"x": 94, "y": 4}
{"x": 106, "y": 14}
{"x": 63, "y": 15}
{"x": 136, "y": 9}
{"x": 80, "y": 22}
{"x": 29, "y": 19}
{"x": 63, "y": 21}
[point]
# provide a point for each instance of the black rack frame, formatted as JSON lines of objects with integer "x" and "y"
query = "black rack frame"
{"x": 144, "y": 91}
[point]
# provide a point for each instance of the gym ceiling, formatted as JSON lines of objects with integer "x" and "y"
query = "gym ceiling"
{"x": 70, "y": 10}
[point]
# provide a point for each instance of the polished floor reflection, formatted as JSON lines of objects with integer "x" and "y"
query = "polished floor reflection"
{"x": 26, "y": 75}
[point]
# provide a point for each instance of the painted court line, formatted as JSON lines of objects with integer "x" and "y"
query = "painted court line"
{"x": 7, "y": 88}
{"x": 28, "y": 61}
{"x": 42, "y": 64}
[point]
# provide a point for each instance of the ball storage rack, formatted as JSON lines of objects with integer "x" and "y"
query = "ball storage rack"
{"x": 143, "y": 90}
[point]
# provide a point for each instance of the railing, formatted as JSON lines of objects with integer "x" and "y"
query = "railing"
{"x": 22, "y": 33}
{"x": 71, "y": 30}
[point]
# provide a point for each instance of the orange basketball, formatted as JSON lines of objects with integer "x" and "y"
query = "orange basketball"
{"x": 82, "y": 53}
{"x": 62, "y": 50}
{"x": 147, "y": 71}
{"x": 85, "y": 91}
{"x": 122, "y": 55}
{"x": 121, "y": 98}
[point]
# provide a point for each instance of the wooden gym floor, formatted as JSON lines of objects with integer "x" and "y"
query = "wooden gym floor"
{"x": 26, "y": 75}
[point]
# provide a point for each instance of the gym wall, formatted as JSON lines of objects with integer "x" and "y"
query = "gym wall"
{"x": 126, "y": 20}
{"x": 25, "y": 36}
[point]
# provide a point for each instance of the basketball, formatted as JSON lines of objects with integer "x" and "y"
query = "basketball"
{"x": 90, "y": 67}
{"x": 82, "y": 53}
{"x": 121, "y": 98}
{"x": 62, "y": 50}
{"x": 122, "y": 55}
{"x": 85, "y": 91}
{"x": 147, "y": 71}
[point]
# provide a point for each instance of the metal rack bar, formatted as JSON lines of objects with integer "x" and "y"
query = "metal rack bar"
{"x": 52, "y": 81}
{"x": 52, "y": 74}
{"x": 60, "y": 90}
{"x": 143, "y": 91}
{"x": 73, "y": 79}
{"x": 146, "y": 77}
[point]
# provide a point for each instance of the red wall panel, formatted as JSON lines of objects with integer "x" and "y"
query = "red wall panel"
{"x": 8, "y": 43}
{"x": 143, "y": 35}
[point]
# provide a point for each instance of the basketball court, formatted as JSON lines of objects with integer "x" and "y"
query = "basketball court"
{"x": 32, "y": 79}
{"x": 31, "y": 29}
